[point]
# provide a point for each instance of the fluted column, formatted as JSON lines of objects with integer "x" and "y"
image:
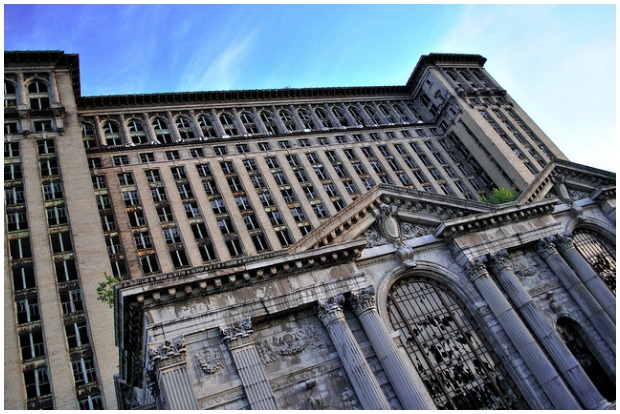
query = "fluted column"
{"x": 407, "y": 384}
{"x": 217, "y": 124}
{"x": 533, "y": 356}
{"x": 246, "y": 358}
{"x": 100, "y": 134}
{"x": 570, "y": 369}
{"x": 238, "y": 122}
{"x": 588, "y": 276}
{"x": 168, "y": 361}
{"x": 276, "y": 116}
{"x": 148, "y": 128}
{"x": 125, "y": 134}
{"x": 172, "y": 127}
{"x": 578, "y": 292}
{"x": 359, "y": 372}
{"x": 53, "y": 91}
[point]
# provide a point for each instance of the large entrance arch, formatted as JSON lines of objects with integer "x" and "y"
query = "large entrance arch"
{"x": 450, "y": 353}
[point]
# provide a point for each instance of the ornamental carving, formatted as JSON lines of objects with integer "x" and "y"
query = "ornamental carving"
{"x": 386, "y": 224}
{"x": 209, "y": 361}
{"x": 241, "y": 329}
{"x": 527, "y": 269}
{"x": 287, "y": 343}
{"x": 363, "y": 299}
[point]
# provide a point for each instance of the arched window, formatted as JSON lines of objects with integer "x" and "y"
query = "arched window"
{"x": 111, "y": 133}
{"x": 306, "y": 119}
{"x": 137, "y": 133}
{"x": 372, "y": 114}
{"x": 428, "y": 104}
{"x": 327, "y": 123}
{"x": 415, "y": 111}
{"x": 402, "y": 115}
{"x": 355, "y": 112}
{"x": 228, "y": 124}
{"x": 599, "y": 252}
{"x": 206, "y": 126}
{"x": 185, "y": 128}
{"x": 38, "y": 95}
{"x": 270, "y": 122}
{"x": 458, "y": 368}
{"x": 10, "y": 98}
{"x": 339, "y": 114}
{"x": 387, "y": 113}
{"x": 570, "y": 333}
{"x": 248, "y": 123}
{"x": 88, "y": 135}
{"x": 162, "y": 133}
{"x": 287, "y": 120}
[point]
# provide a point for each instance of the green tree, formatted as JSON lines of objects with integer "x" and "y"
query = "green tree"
{"x": 500, "y": 195}
{"x": 105, "y": 291}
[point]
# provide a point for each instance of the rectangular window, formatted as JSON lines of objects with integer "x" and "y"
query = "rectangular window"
{"x": 31, "y": 344}
{"x": 264, "y": 146}
{"x": 46, "y": 146}
{"x": 173, "y": 155}
{"x": 196, "y": 152}
{"x": 71, "y": 301}
{"x": 37, "y": 383}
{"x": 12, "y": 172}
{"x": 27, "y": 309}
{"x": 191, "y": 210}
{"x": 207, "y": 253}
{"x": 53, "y": 191}
{"x": 158, "y": 194}
{"x": 61, "y": 242}
{"x": 172, "y": 235}
{"x": 103, "y": 201}
{"x": 17, "y": 220}
{"x": 220, "y": 150}
{"x": 131, "y": 198}
{"x": 284, "y": 144}
{"x": 118, "y": 160}
{"x": 179, "y": 259}
{"x": 146, "y": 157}
{"x": 149, "y": 264}
{"x": 242, "y": 148}
{"x": 260, "y": 243}
{"x": 49, "y": 167}
{"x": 11, "y": 149}
{"x": 126, "y": 178}
{"x": 99, "y": 182}
{"x": 65, "y": 270}
{"x": 94, "y": 162}
{"x": 23, "y": 277}
{"x": 77, "y": 334}
{"x": 165, "y": 214}
{"x": 143, "y": 241}
{"x": 20, "y": 248}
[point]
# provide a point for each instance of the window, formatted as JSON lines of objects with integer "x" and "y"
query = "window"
{"x": 31, "y": 344}
{"x": 126, "y": 178}
{"x": 191, "y": 209}
{"x": 165, "y": 214}
{"x": 44, "y": 125}
{"x": 131, "y": 198}
{"x": 320, "y": 210}
{"x": 27, "y": 309}
{"x": 11, "y": 149}
{"x": 225, "y": 225}
{"x": 88, "y": 136}
{"x": 234, "y": 247}
{"x": 103, "y": 201}
{"x": 179, "y": 259}
{"x": 158, "y": 194}
{"x": 203, "y": 170}
{"x": 71, "y": 301}
{"x": 207, "y": 253}
{"x": 49, "y": 167}
{"x": 118, "y": 160}
{"x": 242, "y": 148}
{"x": 147, "y": 157}
{"x": 220, "y": 150}
{"x": 323, "y": 140}
{"x": 243, "y": 203}
{"x": 91, "y": 402}
{"x": 284, "y": 144}
{"x": 264, "y": 146}
{"x": 355, "y": 113}
{"x": 340, "y": 115}
{"x": 137, "y": 134}
{"x": 77, "y": 334}
{"x": 113, "y": 245}
{"x": 38, "y": 95}
{"x": 10, "y": 127}
{"x": 46, "y": 146}
{"x": 172, "y": 235}
{"x": 303, "y": 142}
{"x": 173, "y": 155}
{"x": 228, "y": 124}
{"x": 56, "y": 215}
{"x": 269, "y": 122}
{"x": 149, "y": 264}
{"x": 324, "y": 118}
{"x": 65, "y": 270}
{"x": 107, "y": 222}
{"x": 196, "y": 152}
{"x": 111, "y": 133}
{"x": 287, "y": 120}
{"x": 200, "y": 231}
{"x": 250, "y": 222}
{"x": 162, "y": 133}
{"x": 206, "y": 126}
{"x": 450, "y": 354}
{"x": 599, "y": 253}
{"x": 260, "y": 242}
{"x": 37, "y": 383}
{"x": 178, "y": 173}
{"x": 12, "y": 172}
{"x": 275, "y": 218}
{"x": 248, "y": 122}
{"x": 61, "y": 242}
{"x": 10, "y": 98}
{"x": 143, "y": 241}
{"x": 17, "y": 220}
{"x": 227, "y": 167}
{"x": 284, "y": 237}
{"x": 152, "y": 176}
{"x": 185, "y": 128}
{"x": 20, "y": 248}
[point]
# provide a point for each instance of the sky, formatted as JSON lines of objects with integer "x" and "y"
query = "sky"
{"x": 557, "y": 61}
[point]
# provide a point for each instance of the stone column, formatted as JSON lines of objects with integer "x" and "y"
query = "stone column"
{"x": 125, "y": 130}
{"x": 588, "y": 276}
{"x": 259, "y": 122}
{"x": 569, "y": 368}
{"x": 360, "y": 374}
{"x": 166, "y": 364}
{"x": 237, "y": 121}
{"x": 276, "y": 116}
{"x": 217, "y": 124}
{"x": 53, "y": 91}
{"x": 535, "y": 359}
{"x": 101, "y": 141}
{"x": 578, "y": 292}
{"x": 246, "y": 358}
{"x": 195, "y": 127}
{"x": 172, "y": 127}
{"x": 148, "y": 129}
{"x": 406, "y": 383}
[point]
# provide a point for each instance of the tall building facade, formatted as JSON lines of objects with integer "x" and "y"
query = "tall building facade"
{"x": 300, "y": 248}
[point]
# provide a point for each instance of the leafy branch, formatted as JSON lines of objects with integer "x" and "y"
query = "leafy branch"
{"x": 105, "y": 290}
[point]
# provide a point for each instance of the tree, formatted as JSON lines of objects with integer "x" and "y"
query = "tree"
{"x": 105, "y": 291}
{"x": 500, "y": 195}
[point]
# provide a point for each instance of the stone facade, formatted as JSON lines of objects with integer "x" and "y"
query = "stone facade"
{"x": 300, "y": 248}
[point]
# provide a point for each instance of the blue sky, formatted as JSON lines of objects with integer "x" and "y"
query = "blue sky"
{"x": 557, "y": 61}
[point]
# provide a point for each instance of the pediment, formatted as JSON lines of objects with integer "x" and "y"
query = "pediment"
{"x": 568, "y": 182}
{"x": 387, "y": 214}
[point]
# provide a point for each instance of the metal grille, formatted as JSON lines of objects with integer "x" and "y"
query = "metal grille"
{"x": 457, "y": 367}
{"x": 599, "y": 253}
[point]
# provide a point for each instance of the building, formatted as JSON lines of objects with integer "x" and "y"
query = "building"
{"x": 300, "y": 248}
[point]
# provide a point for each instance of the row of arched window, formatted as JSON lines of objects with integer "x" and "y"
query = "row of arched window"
{"x": 168, "y": 129}
{"x": 37, "y": 91}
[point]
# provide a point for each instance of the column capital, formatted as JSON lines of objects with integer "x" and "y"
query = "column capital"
{"x": 545, "y": 247}
{"x": 563, "y": 241}
{"x": 241, "y": 329}
{"x": 330, "y": 309}
{"x": 498, "y": 261}
{"x": 363, "y": 300}
{"x": 476, "y": 268}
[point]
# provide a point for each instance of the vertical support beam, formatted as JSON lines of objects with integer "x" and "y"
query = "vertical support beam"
{"x": 407, "y": 384}
{"x": 571, "y": 371}
{"x": 360, "y": 374}
{"x": 544, "y": 372}
{"x": 587, "y": 275}
{"x": 578, "y": 292}
{"x": 246, "y": 358}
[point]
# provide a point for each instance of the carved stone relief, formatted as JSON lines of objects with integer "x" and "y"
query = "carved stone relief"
{"x": 287, "y": 343}
{"x": 209, "y": 361}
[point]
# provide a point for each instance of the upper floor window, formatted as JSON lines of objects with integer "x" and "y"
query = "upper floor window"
{"x": 248, "y": 122}
{"x": 599, "y": 253}
{"x": 206, "y": 126}
{"x": 185, "y": 128}
{"x": 306, "y": 119}
{"x": 402, "y": 115}
{"x": 270, "y": 122}
{"x": 161, "y": 131}
{"x": 372, "y": 114}
{"x": 287, "y": 120}
{"x": 324, "y": 118}
{"x": 387, "y": 113}
{"x": 137, "y": 133}
{"x": 111, "y": 133}
{"x": 38, "y": 95}
{"x": 340, "y": 115}
{"x": 10, "y": 99}
{"x": 88, "y": 135}
{"x": 228, "y": 124}
{"x": 355, "y": 112}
